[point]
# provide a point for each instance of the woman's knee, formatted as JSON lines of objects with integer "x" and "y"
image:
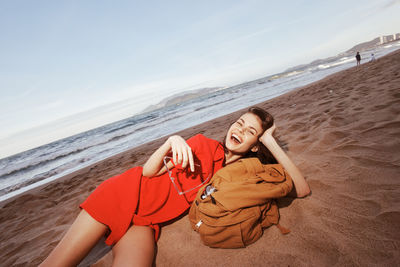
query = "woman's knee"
{"x": 135, "y": 248}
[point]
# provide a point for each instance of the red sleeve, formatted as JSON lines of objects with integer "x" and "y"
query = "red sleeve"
{"x": 203, "y": 148}
{"x": 195, "y": 142}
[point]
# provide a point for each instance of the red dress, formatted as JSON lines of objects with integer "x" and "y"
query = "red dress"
{"x": 133, "y": 198}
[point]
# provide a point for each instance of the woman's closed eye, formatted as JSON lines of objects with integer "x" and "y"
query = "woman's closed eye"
{"x": 248, "y": 130}
{"x": 252, "y": 132}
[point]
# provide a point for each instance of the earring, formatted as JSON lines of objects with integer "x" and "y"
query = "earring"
{"x": 254, "y": 148}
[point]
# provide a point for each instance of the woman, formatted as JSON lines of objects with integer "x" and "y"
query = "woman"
{"x": 130, "y": 207}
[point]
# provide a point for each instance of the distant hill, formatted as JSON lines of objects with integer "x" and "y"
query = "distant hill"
{"x": 351, "y": 52}
{"x": 375, "y": 42}
{"x": 364, "y": 46}
{"x": 182, "y": 97}
{"x": 188, "y": 95}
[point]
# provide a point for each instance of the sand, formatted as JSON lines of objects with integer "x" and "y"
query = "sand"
{"x": 344, "y": 134}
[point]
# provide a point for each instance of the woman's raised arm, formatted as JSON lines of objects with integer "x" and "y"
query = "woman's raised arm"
{"x": 300, "y": 184}
{"x": 181, "y": 154}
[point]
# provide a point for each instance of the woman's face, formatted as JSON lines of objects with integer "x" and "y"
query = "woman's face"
{"x": 243, "y": 135}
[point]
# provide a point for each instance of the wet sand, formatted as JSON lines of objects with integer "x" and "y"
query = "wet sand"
{"x": 344, "y": 134}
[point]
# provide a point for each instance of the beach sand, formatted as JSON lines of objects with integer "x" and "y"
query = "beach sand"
{"x": 344, "y": 134}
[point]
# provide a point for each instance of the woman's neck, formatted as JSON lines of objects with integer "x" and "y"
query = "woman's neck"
{"x": 230, "y": 157}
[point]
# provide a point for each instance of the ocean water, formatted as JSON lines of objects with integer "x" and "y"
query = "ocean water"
{"x": 46, "y": 163}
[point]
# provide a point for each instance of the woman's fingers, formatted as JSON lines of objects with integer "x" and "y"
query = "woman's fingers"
{"x": 270, "y": 130}
{"x": 191, "y": 160}
{"x": 268, "y": 135}
{"x": 173, "y": 148}
{"x": 187, "y": 157}
{"x": 176, "y": 149}
{"x": 181, "y": 152}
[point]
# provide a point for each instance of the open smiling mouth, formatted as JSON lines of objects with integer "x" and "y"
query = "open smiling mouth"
{"x": 236, "y": 139}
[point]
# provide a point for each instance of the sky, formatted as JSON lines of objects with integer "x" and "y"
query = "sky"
{"x": 63, "y": 58}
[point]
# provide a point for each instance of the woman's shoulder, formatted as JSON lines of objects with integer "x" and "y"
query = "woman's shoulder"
{"x": 199, "y": 142}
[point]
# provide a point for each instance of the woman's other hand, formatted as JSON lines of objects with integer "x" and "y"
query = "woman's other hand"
{"x": 271, "y": 130}
{"x": 300, "y": 184}
{"x": 267, "y": 136}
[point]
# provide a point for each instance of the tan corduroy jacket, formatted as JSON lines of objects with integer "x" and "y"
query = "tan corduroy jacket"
{"x": 242, "y": 204}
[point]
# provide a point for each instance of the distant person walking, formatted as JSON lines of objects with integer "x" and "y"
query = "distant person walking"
{"x": 372, "y": 57}
{"x": 358, "y": 58}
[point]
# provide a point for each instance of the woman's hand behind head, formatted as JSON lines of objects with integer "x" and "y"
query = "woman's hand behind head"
{"x": 271, "y": 130}
{"x": 268, "y": 137}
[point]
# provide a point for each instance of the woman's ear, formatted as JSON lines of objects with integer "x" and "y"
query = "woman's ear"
{"x": 254, "y": 148}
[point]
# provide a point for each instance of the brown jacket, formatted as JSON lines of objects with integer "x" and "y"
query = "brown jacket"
{"x": 233, "y": 216}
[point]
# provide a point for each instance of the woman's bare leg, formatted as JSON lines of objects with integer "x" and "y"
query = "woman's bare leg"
{"x": 135, "y": 248}
{"x": 77, "y": 242}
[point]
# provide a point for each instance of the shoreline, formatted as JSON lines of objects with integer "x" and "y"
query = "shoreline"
{"x": 43, "y": 182}
{"x": 34, "y": 187}
{"x": 341, "y": 131}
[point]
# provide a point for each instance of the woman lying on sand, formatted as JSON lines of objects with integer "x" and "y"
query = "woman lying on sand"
{"x": 129, "y": 207}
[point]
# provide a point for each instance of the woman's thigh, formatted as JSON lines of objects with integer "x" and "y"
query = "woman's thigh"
{"x": 77, "y": 242}
{"x": 135, "y": 248}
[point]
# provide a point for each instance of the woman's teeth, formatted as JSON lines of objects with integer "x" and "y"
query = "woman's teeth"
{"x": 236, "y": 139}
